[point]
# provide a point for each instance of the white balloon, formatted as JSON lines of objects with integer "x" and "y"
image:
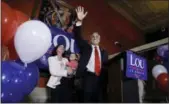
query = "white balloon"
{"x": 32, "y": 40}
{"x": 157, "y": 70}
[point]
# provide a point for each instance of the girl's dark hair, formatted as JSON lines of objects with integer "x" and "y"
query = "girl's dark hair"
{"x": 54, "y": 50}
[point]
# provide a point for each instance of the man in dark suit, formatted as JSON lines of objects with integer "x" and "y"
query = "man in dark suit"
{"x": 91, "y": 63}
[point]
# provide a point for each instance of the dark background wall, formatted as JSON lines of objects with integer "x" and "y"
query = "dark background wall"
{"x": 110, "y": 24}
{"x": 156, "y": 35}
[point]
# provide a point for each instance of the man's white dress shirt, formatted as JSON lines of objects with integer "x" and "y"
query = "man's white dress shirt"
{"x": 91, "y": 63}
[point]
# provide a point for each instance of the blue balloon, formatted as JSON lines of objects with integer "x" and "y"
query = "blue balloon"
{"x": 8, "y": 96}
{"x": 42, "y": 63}
{"x": 6, "y": 73}
{"x": 163, "y": 51}
{"x": 29, "y": 76}
{"x": 6, "y": 77}
{"x": 17, "y": 80}
{"x": 11, "y": 83}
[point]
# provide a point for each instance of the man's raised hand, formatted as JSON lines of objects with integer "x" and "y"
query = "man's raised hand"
{"x": 80, "y": 13}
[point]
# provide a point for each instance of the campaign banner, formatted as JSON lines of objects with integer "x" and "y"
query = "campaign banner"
{"x": 59, "y": 36}
{"x": 136, "y": 66}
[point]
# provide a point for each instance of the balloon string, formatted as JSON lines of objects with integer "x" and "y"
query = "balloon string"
{"x": 25, "y": 65}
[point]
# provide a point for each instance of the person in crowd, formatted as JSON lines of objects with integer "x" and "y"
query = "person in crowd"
{"x": 59, "y": 84}
{"x": 73, "y": 61}
{"x": 90, "y": 71}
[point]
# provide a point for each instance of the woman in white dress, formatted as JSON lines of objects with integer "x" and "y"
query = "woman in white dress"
{"x": 59, "y": 83}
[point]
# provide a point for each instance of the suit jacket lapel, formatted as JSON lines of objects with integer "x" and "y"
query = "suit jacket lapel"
{"x": 101, "y": 54}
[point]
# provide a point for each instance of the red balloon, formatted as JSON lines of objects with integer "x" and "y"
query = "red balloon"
{"x": 8, "y": 21}
{"x": 12, "y": 52}
{"x": 21, "y": 17}
{"x": 163, "y": 81}
{"x": 9, "y": 33}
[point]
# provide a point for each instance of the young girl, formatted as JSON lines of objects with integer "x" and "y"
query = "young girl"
{"x": 73, "y": 62}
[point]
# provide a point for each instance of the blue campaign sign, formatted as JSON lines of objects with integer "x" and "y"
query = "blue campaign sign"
{"x": 58, "y": 37}
{"x": 136, "y": 66}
